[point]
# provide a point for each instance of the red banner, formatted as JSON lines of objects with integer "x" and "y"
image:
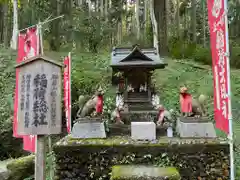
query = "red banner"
{"x": 28, "y": 46}
{"x": 67, "y": 91}
{"x": 216, "y": 17}
{"x": 29, "y": 143}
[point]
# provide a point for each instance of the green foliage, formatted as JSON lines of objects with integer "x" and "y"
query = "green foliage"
{"x": 89, "y": 71}
{"x": 202, "y": 55}
{"x": 235, "y": 56}
{"x": 92, "y": 31}
{"x": 180, "y": 49}
{"x": 11, "y": 147}
{"x": 21, "y": 168}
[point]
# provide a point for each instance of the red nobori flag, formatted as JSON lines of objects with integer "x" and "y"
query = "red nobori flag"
{"x": 29, "y": 143}
{"x": 217, "y": 24}
{"x": 28, "y": 46}
{"x": 67, "y": 91}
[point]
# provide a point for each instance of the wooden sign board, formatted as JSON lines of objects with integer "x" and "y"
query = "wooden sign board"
{"x": 39, "y": 97}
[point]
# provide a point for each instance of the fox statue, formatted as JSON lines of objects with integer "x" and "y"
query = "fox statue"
{"x": 191, "y": 106}
{"x": 88, "y": 106}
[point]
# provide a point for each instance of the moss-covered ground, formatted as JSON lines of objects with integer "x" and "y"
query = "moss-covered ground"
{"x": 126, "y": 141}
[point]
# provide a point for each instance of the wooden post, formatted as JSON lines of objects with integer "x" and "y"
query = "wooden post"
{"x": 149, "y": 86}
{"x": 51, "y": 159}
{"x": 40, "y": 158}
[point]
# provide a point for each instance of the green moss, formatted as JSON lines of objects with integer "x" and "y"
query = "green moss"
{"x": 127, "y": 141}
{"x": 129, "y": 172}
{"x": 21, "y": 168}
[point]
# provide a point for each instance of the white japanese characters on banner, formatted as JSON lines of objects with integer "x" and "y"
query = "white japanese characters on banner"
{"x": 217, "y": 15}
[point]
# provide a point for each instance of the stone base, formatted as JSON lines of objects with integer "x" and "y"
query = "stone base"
{"x": 91, "y": 129}
{"x": 195, "y": 128}
{"x": 143, "y": 130}
{"x": 125, "y": 130}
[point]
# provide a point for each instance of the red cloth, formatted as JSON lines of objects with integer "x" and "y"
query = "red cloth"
{"x": 160, "y": 113}
{"x": 99, "y": 105}
{"x": 186, "y": 102}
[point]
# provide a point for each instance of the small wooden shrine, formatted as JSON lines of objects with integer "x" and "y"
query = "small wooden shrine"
{"x": 132, "y": 72}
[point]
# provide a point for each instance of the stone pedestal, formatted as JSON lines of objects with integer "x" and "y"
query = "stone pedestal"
{"x": 90, "y": 129}
{"x": 143, "y": 130}
{"x": 190, "y": 127}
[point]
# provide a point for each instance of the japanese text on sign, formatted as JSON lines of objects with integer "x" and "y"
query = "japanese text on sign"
{"x": 27, "y": 103}
{"x": 39, "y": 100}
{"x": 54, "y": 95}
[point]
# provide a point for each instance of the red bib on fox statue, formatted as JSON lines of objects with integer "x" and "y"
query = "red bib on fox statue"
{"x": 185, "y": 100}
{"x": 99, "y": 104}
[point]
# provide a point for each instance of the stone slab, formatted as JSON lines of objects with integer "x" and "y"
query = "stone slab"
{"x": 195, "y": 129}
{"x": 194, "y": 119}
{"x": 135, "y": 172}
{"x": 143, "y": 130}
{"x": 87, "y": 130}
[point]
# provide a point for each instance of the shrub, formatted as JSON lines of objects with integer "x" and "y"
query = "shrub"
{"x": 180, "y": 49}
{"x": 235, "y": 56}
{"x": 202, "y": 55}
{"x": 21, "y": 168}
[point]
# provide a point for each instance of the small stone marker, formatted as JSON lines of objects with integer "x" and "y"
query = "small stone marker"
{"x": 143, "y": 130}
{"x": 196, "y": 129}
{"x": 88, "y": 130}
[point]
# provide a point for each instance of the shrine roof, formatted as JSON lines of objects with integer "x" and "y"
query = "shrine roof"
{"x": 136, "y": 57}
{"x": 37, "y": 58}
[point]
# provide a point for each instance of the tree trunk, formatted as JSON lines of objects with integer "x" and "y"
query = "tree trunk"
{"x": 106, "y": 8}
{"x": 193, "y": 21}
{"x": 110, "y": 4}
{"x": 80, "y": 2}
{"x": 55, "y": 35}
{"x": 160, "y": 13}
{"x": 137, "y": 20}
{"x": 204, "y": 23}
{"x": 1, "y": 23}
{"x": 89, "y": 7}
{"x": 102, "y": 8}
{"x": 119, "y": 35}
{"x": 15, "y": 25}
{"x": 178, "y": 20}
{"x": 6, "y": 26}
{"x": 154, "y": 25}
{"x": 145, "y": 16}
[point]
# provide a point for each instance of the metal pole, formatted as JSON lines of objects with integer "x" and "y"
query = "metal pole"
{"x": 70, "y": 85}
{"x": 44, "y": 22}
{"x": 40, "y": 158}
{"x": 230, "y": 136}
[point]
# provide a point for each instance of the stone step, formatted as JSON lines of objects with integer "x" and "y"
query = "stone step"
{"x": 139, "y": 100}
{"x": 137, "y": 95}
{"x": 140, "y": 172}
{"x": 140, "y": 106}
